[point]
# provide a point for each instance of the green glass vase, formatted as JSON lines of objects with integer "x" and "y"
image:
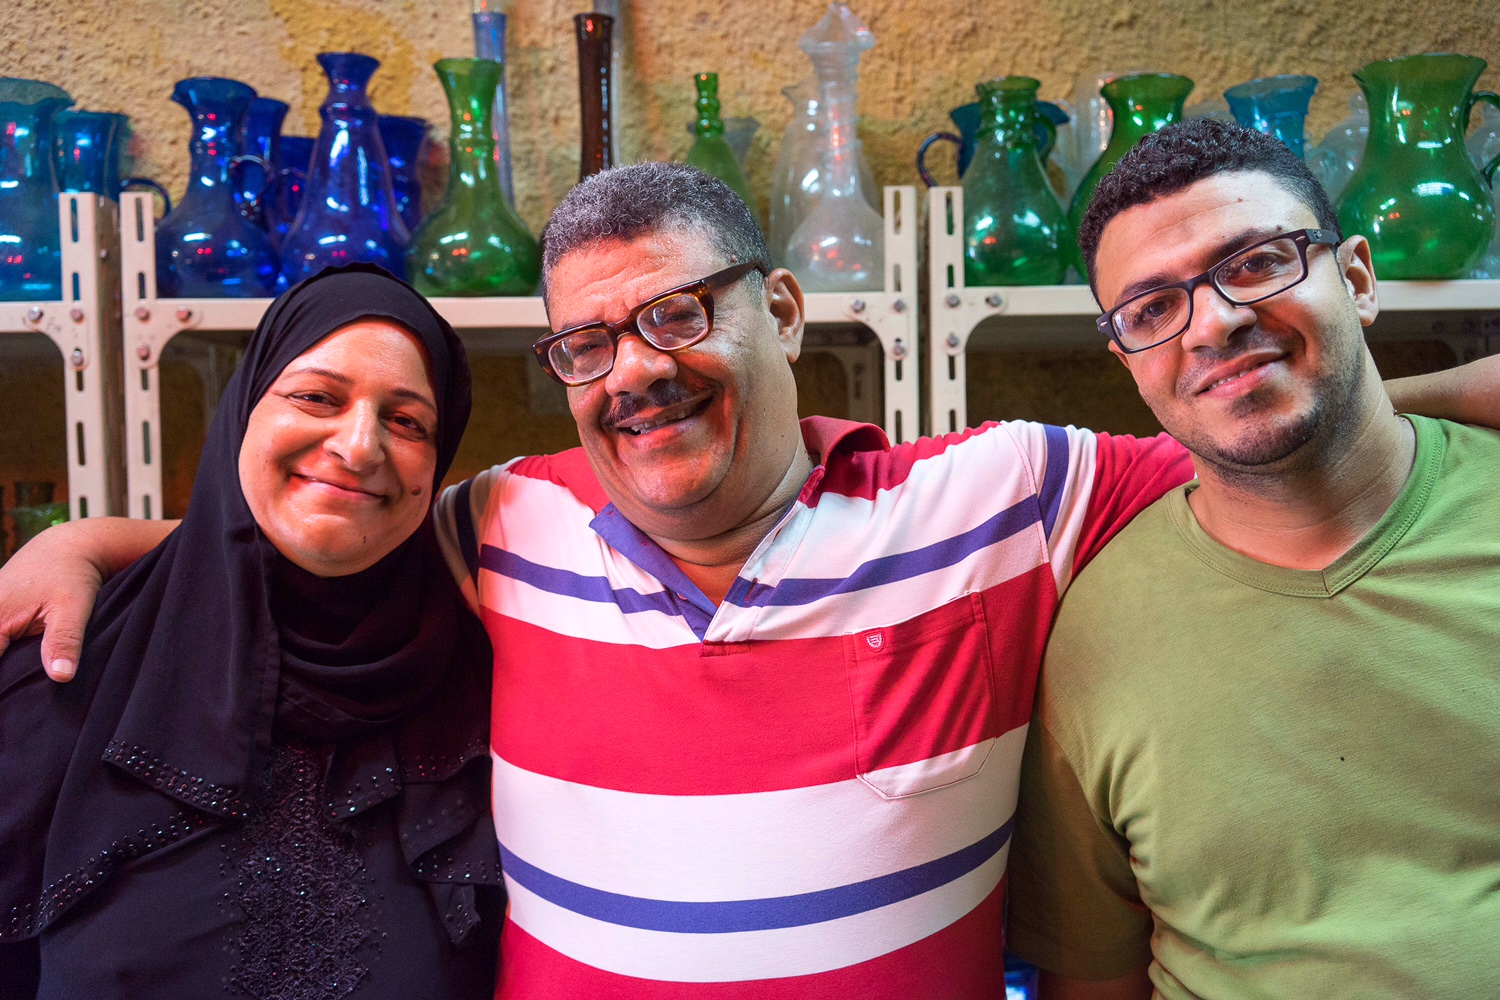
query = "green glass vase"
{"x": 1141, "y": 104}
{"x": 474, "y": 243}
{"x": 1416, "y": 196}
{"x": 1015, "y": 230}
{"x": 711, "y": 153}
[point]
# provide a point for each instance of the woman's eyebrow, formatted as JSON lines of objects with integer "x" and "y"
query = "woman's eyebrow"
{"x": 343, "y": 379}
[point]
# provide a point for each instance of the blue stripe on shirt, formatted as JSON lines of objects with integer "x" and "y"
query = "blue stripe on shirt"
{"x": 730, "y": 916}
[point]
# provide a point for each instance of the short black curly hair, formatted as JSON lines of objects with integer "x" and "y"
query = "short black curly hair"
{"x": 1167, "y": 161}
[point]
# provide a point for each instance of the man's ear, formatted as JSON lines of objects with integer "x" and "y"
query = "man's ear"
{"x": 784, "y": 300}
{"x": 1358, "y": 274}
{"x": 1114, "y": 349}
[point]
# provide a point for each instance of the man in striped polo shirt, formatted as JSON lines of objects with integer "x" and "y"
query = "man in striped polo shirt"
{"x": 761, "y": 684}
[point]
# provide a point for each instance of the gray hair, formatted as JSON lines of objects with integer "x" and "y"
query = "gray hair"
{"x": 625, "y": 203}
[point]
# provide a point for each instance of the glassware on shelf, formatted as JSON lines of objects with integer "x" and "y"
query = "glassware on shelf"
{"x": 1015, "y": 230}
{"x": 1275, "y": 105}
{"x": 797, "y": 179}
{"x": 286, "y": 193}
{"x": 36, "y": 510}
{"x": 1334, "y": 159}
{"x": 1083, "y": 138}
{"x": 403, "y": 138}
{"x": 1416, "y": 196}
{"x": 31, "y": 262}
{"x": 474, "y": 243}
{"x": 739, "y": 132}
{"x": 1139, "y": 105}
{"x": 710, "y": 152}
{"x": 260, "y": 136}
{"x": 89, "y": 145}
{"x": 1484, "y": 144}
{"x": 840, "y": 245}
{"x": 966, "y": 117}
{"x": 489, "y": 43}
{"x": 348, "y": 211}
{"x": 208, "y": 246}
{"x": 595, "y": 107}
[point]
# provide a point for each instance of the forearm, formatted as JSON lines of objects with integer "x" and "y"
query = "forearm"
{"x": 1468, "y": 394}
{"x": 109, "y": 543}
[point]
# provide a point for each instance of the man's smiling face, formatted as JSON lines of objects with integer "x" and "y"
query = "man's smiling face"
{"x": 684, "y": 443}
{"x": 1245, "y": 386}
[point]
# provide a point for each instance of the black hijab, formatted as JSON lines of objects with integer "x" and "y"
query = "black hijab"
{"x": 213, "y": 644}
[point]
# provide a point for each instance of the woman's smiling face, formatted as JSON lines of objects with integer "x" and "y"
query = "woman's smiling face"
{"x": 339, "y": 454}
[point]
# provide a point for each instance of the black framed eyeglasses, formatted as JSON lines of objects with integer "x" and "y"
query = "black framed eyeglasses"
{"x": 672, "y": 321}
{"x": 1244, "y": 278}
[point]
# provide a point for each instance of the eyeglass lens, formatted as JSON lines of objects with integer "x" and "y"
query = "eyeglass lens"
{"x": 1253, "y": 274}
{"x": 668, "y": 324}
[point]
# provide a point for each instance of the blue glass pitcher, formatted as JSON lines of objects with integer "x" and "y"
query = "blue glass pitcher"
{"x": 1275, "y": 105}
{"x": 403, "y": 148}
{"x": 285, "y": 193}
{"x": 260, "y": 137}
{"x": 30, "y": 242}
{"x": 89, "y": 146}
{"x": 208, "y": 247}
{"x": 349, "y": 210}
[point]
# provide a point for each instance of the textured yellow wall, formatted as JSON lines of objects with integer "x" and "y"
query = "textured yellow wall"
{"x": 124, "y": 55}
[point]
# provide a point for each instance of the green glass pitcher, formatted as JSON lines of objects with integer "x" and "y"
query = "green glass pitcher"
{"x": 1142, "y": 104}
{"x": 1416, "y": 196}
{"x": 1015, "y": 230}
{"x": 474, "y": 243}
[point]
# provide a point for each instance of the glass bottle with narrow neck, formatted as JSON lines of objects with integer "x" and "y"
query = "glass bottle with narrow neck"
{"x": 839, "y": 247}
{"x": 711, "y": 153}
{"x": 473, "y": 243}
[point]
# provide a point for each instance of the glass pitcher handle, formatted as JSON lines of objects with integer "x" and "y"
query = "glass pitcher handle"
{"x": 927, "y": 177}
{"x": 126, "y": 183}
{"x": 1489, "y": 97}
{"x": 253, "y": 209}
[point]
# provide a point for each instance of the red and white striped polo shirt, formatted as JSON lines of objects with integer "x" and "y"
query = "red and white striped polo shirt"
{"x": 808, "y": 790}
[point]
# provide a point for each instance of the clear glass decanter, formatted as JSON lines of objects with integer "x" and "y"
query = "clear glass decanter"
{"x": 839, "y": 246}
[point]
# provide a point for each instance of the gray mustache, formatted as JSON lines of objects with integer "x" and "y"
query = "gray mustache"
{"x": 658, "y": 396}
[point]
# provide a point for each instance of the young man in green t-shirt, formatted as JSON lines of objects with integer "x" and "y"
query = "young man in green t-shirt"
{"x": 1263, "y": 755}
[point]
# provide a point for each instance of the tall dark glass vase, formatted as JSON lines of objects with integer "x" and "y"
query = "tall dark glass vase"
{"x": 348, "y": 210}
{"x": 31, "y": 266}
{"x": 208, "y": 247}
{"x": 594, "y": 110}
{"x": 403, "y": 139}
{"x": 474, "y": 243}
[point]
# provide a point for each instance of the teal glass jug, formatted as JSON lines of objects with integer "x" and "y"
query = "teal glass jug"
{"x": 1141, "y": 104}
{"x": 1015, "y": 230}
{"x": 473, "y": 243}
{"x": 1416, "y": 196}
{"x": 31, "y": 262}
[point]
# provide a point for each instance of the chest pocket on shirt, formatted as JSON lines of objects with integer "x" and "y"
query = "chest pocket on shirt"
{"x": 923, "y": 699}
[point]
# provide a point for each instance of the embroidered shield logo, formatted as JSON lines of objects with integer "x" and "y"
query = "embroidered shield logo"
{"x": 875, "y": 639}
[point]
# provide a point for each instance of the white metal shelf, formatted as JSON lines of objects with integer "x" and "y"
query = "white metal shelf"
{"x": 1021, "y": 313}
{"x": 85, "y": 325}
{"x": 149, "y": 323}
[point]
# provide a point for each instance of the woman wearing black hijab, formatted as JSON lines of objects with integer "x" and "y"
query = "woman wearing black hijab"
{"x": 272, "y": 779}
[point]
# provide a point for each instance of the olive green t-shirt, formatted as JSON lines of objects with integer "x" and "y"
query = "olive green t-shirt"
{"x": 1271, "y": 782}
